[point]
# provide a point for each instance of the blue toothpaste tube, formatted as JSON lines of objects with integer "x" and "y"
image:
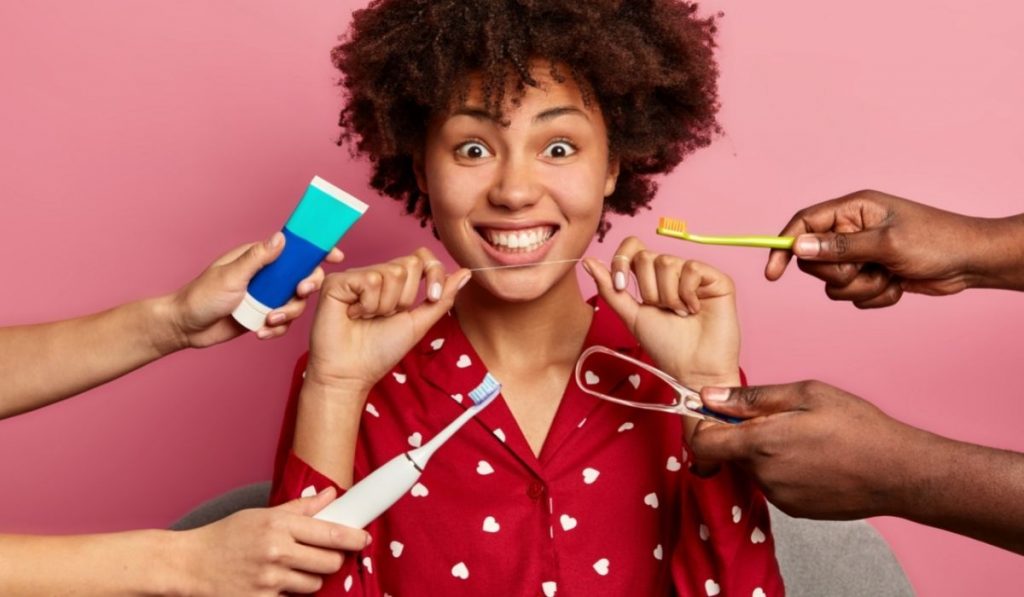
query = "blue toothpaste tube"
{"x": 322, "y": 217}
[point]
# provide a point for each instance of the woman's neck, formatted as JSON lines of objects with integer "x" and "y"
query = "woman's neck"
{"x": 523, "y": 335}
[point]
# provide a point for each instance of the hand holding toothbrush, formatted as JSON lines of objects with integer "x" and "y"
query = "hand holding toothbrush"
{"x": 685, "y": 316}
{"x": 870, "y": 247}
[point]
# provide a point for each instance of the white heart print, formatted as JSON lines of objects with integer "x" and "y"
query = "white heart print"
{"x": 484, "y": 468}
{"x": 601, "y": 566}
{"x": 757, "y": 536}
{"x": 549, "y": 588}
{"x": 368, "y": 564}
{"x": 348, "y": 583}
{"x": 463, "y": 362}
{"x": 396, "y": 548}
{"x": 498, "y": 433}
{"x": 568, "y": 522}
{"x": 634, "y": 380}
{"x": 704, "y": 533}
{"x": 457, "y": 398}
{"x": 758, "y": 592}
{"x": 711, "y": 588}
{"x": 416, "y": 439}
{"x": 673, "y": 464}
{"x": 460, "y": 571}
{"x": 625, "y": 426}
{"x": 590, "y": 377}
{"x": 309, "y": 491}
{"x": 737, "y": 514}
{"x": 437, "y": 344}
{"x": 590, "y": 475}
{"x": 399, "y": 377}
{"x": 419, "y": 490}
{"x": 658, "y": 553}
{"x": 372, "y": 410}
{"x": 491, "y": 525}
{"x": 651, "y": 499}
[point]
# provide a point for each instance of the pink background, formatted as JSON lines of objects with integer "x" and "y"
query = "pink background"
{"x": 141, "y": 140}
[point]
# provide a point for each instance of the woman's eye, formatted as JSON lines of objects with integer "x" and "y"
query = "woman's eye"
{"x": 473, "y": 150}
{"x": 559, "y": 149}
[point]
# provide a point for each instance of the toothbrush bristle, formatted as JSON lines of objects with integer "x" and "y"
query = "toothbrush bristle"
{"x": 672, "y": 224}
{"x": 487, "y": 388}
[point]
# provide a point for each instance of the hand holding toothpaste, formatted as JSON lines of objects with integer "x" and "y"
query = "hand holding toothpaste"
{"x": 202, "y": 309}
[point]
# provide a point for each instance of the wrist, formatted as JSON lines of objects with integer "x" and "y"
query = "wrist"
{"x": 915, "y": 471}
{"x": 166, "y": 568}
{"x": 996, "y": 258}
{"x": 164, "y": 328}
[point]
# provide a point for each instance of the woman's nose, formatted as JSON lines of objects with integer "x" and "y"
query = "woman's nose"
{"x": 516, "y": 186}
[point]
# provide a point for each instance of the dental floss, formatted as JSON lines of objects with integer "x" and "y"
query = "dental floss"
{"x": 481, "y": 269}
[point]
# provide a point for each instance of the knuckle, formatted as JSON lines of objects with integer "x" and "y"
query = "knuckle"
{"x": 268, "y": 578}
{"x": 374, "y": 279}
{"x": 666, "y": 261}
{"x": 751, "y": 396}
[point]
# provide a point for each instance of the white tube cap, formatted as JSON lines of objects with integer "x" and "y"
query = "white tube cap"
{"x": 251, "y": 313}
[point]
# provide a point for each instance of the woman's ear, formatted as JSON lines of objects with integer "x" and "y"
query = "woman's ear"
{"x": 613, "y": 176}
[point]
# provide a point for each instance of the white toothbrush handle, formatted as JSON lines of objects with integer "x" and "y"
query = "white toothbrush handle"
{"x": 369, "y": 498}
{"x": 378, "y": 491}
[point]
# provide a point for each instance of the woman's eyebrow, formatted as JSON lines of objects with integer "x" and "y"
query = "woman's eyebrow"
{"x": 476, "y": 113}
{"x": 552, "y": 113}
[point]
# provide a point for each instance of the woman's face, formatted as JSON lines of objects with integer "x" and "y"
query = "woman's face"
{"x": 523, "y": 193}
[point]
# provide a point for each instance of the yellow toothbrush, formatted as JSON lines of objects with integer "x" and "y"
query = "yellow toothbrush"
{"x": 677, "y": 229}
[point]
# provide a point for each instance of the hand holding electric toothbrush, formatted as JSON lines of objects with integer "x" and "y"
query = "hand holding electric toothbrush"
{"x": 367, "y": 320}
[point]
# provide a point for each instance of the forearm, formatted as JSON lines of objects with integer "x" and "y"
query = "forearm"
{"x": 327, "y": 427}
{"x": 45, "y": 363}
{"x": 132, "y": 563}
{"x": 964, "y": 488}
{"x": 998, "y": 259}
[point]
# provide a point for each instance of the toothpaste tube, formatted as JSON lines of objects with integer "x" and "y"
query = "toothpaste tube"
{"x": 322, "y": 217}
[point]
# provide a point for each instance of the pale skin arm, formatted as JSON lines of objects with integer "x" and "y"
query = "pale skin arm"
{"x": 820, "y": 452}
{"x": 44, "y": 363}
{"x": 260, "y": 552}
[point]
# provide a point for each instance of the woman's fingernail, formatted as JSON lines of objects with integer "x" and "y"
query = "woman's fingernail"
{"x": 464, "y": 281}
{"x": 263, "y": 334}
{"x": 716, "y": 394}
{"x": 620, "y": 281}
{"x": 306, "y": 287}
{"x": 586, "y": 267}
{"x": 275, "y": 318}
{"x": 435, "y": 291}
{"x": 369, "y": 540}
{"x": 275, "y": 240}
{"x": 807, "y": 245}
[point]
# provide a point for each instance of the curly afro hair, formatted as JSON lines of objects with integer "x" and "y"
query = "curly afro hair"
{"x": 649, "y": 64}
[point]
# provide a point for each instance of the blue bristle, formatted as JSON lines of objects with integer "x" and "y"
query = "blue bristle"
{"x": 487, "y": 388}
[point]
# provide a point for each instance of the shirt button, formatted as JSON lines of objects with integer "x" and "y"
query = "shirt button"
{"x": 535, "y": 490}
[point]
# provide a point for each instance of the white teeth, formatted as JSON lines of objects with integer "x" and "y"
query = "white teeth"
{"x": 520, "y": 241}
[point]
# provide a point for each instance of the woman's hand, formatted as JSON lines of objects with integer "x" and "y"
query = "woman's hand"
{"x": 368, "y": 318}
{"x": 201, "y": 311}
{"x": 685, "y": 317}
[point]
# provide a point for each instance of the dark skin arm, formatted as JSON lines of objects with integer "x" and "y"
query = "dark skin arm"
{"x": 870, "y": 247}
{"x": 820, "y": 452}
